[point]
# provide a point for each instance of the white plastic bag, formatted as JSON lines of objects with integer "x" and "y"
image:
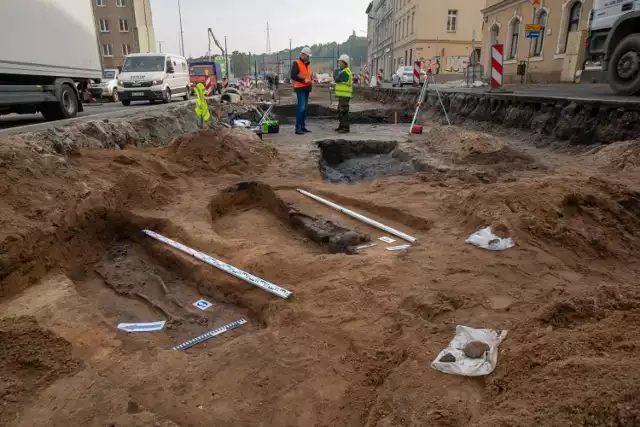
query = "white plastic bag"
{"x": 241, "y": 123}
{"x": 485, "y": 239}
{"x": 465, "y": 365}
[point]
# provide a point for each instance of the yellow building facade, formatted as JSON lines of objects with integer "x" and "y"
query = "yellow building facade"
{"x": 436, "y": 32}
{"x": 555, "y": 56}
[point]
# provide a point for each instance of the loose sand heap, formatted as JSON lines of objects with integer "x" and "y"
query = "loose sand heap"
{"x": 353, "y": 345}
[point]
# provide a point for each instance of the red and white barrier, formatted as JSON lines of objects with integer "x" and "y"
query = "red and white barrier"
{"x": 207, "y": 86}
{"x": 380, "y": 77}
{"x": 367, "y": 76}
{"x": 225, "y": 82}
{"x": 417, "y": 67}
{"x": 497, "y": 63}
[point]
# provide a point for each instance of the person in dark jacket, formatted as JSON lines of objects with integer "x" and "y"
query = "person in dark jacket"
{"x": 301, "y": 76}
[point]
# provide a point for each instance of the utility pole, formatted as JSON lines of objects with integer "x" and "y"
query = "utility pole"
{"x": 290, "y": 59}
{"x": 160, "y": 45}
{"x": 533, "y": 20}
{"x": 226, "y": 58}
{"x": 255, "y": 73}
{"x": 181, "y": 32}
{"x": 268, "y": 39}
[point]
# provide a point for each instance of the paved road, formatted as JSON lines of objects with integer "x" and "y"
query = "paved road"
{"x": 589, "y": 92}
{"x": 18, "y": 123}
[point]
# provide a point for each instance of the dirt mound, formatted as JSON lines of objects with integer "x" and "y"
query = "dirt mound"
{"x": 224, "y": 150}
{"x": 623, "y": 156}
{"x": 153, "y": 127}
{"x": 474, "y": 147}
{"x": 30, "y": 359}
{"x": 593, "y": 216}
{"x": 576, "y": 311}
{"x": 591, "y": 367}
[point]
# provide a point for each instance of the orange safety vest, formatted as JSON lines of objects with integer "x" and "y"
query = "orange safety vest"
{"x": 304, "y": 72}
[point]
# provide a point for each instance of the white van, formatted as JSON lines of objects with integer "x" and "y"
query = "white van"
{"x": 153, "y": 77}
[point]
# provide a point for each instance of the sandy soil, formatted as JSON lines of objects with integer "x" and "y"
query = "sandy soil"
{"x": 353, "y": 345}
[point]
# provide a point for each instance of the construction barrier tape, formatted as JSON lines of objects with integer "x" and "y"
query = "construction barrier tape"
{"x": 249, "y": 278}
{"x": 207, "y": 336}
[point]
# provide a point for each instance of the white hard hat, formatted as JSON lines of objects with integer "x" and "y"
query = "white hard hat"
{"x": 345, "y": 58}
{"x": 306, "y": 50}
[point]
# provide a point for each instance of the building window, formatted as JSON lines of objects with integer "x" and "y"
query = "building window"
{"x": 126, "y": 49}
{"x": 104, "y": 26}
{"x": 574, "y": 17}
{"x": 121, "y": 3}
{"x": 452, "y": 21}
{"x": 101, "y": 3}
{"x": 539, "y": 42}
{"x": 413, "y": 18}
{"x": 573, "y": 24}
{"x": 410, "y": 56}
{"x": 515, "y": 33}
{"x": 107, "y": 50}
{"x": 124, "y": 26}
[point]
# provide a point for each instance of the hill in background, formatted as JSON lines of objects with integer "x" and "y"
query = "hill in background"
{"x": 324, "y": 57}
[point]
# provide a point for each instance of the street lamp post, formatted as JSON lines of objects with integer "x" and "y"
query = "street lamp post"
{"x": 226, "y": 57}
{"x": 181, "y": 32}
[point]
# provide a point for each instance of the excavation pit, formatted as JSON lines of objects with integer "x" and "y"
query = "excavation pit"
{"x": 345, "y": 161}
{"x": 274, "y": 219}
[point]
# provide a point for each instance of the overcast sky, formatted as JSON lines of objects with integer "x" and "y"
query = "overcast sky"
{"x": 244, "y": 22}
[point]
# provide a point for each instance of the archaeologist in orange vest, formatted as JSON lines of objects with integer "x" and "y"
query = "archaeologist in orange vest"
{"x": 301, "y": 76}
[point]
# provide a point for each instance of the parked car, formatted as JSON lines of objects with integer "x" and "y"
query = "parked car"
{"x": 108, "y": 86}
{"x": 404, "y": 76}
{"x": 153, "y": 77}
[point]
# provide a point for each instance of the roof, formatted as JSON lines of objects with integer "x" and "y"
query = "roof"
{"x": 154, "y": 54}
{"x": 369, "y": 8}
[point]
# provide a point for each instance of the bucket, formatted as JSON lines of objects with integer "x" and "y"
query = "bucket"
{"x": 416, "y": 129}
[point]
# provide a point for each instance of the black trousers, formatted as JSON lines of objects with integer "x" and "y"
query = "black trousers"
{"x": 343, "y": 112}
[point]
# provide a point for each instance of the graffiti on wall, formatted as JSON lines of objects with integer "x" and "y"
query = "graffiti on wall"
{"x": 456, "y": 64}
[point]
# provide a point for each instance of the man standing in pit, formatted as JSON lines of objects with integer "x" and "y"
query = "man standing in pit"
{"x": 301, "y": 76}
{"x": 344, "y": 91}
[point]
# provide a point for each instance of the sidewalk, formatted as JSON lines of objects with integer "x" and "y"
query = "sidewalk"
{"x": 583, "y": 92}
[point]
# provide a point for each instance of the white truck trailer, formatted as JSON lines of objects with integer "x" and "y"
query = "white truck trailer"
{"x": 614, "y": 41}
{"x": 49, "y": 53}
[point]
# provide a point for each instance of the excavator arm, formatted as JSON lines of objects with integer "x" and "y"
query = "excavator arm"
{"x": 217, "y": 43}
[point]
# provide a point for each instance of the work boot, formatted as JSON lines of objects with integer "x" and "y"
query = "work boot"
{"x": 305, "y": 130}
{"x": 344, "y": 130}
{"x": 299, "y": 132}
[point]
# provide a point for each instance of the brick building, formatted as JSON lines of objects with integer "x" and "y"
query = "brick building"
{"x": 124, "y": 26}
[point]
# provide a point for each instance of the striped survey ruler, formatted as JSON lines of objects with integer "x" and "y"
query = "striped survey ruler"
{"x": 207, "y": 336}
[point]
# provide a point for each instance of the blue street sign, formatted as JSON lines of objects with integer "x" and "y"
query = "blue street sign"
{"x": 532, "y": 34}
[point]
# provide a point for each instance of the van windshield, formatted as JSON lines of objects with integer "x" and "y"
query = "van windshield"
{"x": 143, "y": 63}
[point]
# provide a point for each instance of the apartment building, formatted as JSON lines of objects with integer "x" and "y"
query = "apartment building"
{"x": 124, "y": 27}
{"x": 559, "y": 51}
{"x": 380, "y": 37}
{"x": 437, "y": 33}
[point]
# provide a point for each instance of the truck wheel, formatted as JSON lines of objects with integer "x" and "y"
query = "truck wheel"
{"x": 167, "y": 96}
{"x": 186, "y": 94}
{"x": 624, "y": 66}
{"x": 126, "y": 102}
{"x": 65, "y": 108}
{"x": 114, "y": 95}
